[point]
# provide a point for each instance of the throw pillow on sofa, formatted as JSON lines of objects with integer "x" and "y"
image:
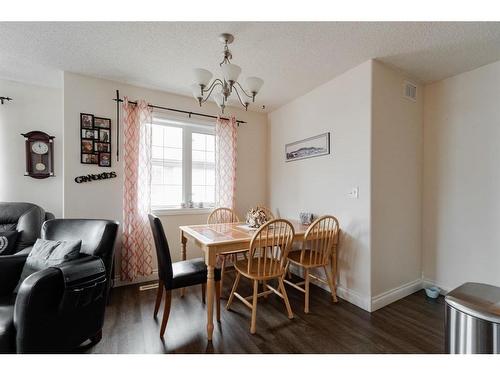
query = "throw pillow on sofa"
{"x": 48, "y": 253}
{"x": 8, "y": 242}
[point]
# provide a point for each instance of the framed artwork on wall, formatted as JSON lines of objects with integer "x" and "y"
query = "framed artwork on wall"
{"x": 311, "y": 147}
{"x": 95, "y": 140}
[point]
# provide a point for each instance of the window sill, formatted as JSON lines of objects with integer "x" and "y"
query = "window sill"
{"x": 182, "y": 211}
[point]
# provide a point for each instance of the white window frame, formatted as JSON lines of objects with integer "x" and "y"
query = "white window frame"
{"x": 188, "y": 126}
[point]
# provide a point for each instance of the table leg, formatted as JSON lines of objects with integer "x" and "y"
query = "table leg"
{"x": 183, "y": 254}
{"x": 210, "y": 260}
{"x": 210, "y": 302}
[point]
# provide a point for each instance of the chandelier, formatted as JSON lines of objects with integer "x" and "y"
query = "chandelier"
{"x": 222, "y": 89}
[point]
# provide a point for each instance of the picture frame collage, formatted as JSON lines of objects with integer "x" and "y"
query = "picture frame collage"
{"x": 95, "y": 140}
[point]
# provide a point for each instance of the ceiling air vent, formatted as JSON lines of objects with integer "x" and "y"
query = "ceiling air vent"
{"x": 410, "y": 91}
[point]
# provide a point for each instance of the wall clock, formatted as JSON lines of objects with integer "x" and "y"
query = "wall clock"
{"x": 39, "y": 154}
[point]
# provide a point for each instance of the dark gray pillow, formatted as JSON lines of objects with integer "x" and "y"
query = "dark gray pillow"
{"x": 8, "y": 242}
{"x": 46, "y": 253}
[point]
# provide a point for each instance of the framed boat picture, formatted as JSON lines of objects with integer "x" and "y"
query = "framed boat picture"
{"x": 318, "y": 145}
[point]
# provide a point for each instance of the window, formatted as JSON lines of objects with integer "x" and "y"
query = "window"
{"x": 183, "y": 170}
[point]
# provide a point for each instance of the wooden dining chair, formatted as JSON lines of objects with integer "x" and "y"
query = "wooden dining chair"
{"x": 177, "y": 275}
{"x": 266, "y": 261}
{"x": 318, "y": 248}
{"x": 223, "y": 215}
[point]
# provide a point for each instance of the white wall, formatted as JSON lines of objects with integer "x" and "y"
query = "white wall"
{"x": 396, "y": 176}
{"x": 103, "y": 199}
{"x": 321, "y": 185}
{"x": 33, "y": 108}
{"x": 461, "y": 205}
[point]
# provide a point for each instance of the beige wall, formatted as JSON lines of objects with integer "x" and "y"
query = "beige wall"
{"x": 103, "y": 199}
{"x": 461, "y": 205}
{"x": 396, "y": 176}
{"x": 321, "y": 185}
{"x": 33, "y": 108}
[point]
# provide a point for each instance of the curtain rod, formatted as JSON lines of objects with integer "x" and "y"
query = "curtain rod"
{"x": 189, "y": 113}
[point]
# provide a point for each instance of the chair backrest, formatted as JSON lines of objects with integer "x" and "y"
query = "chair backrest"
{"x": 269, "y": 248}
{"x": 26, "y": 218}
{"x": 319, "y": 240}
{"x": 97, "y": 236}
{"x": 222, "y": 215}
{"x": 165, "y": 272}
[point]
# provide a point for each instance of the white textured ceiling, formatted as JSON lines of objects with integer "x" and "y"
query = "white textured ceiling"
{"x": 291, "y": 57}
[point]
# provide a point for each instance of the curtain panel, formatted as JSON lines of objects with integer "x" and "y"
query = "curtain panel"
{"x": 225, "y": 162}
{"x": 137, "y": 241}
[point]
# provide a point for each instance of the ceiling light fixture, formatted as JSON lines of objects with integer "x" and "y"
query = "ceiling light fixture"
{"x": 222, "y": 88}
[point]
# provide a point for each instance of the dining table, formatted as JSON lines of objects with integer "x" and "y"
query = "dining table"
{"x": 214, "y": 239}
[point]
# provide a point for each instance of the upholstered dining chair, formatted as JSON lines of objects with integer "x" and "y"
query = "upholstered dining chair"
{"x": 266, "y": 261}
{"x": 223, "y": 215}
{"x": 319, "y": 244}
{"x": 176, "y": 275}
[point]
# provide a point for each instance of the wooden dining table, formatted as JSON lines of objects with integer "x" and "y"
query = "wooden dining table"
{"x": 214, "y": 239}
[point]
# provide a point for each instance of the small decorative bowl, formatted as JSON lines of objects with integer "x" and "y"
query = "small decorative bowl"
{"x": 432, "y": 292}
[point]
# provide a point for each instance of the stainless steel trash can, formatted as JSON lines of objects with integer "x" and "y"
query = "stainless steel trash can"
{"x": 473, "y": 319}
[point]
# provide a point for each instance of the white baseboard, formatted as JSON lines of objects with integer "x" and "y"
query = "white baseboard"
{"x": 353, "y": 297}
{"x": 345, "y": 293}
{"x": 390, "y": 296}
{"x": 153, "y": 277}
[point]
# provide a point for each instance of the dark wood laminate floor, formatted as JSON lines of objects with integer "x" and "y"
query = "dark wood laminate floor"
{"x": 411, "y": 325}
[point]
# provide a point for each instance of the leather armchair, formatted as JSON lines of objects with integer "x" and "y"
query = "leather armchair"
{"x": 39, "y": 319}
{"x": 26, "y": 218}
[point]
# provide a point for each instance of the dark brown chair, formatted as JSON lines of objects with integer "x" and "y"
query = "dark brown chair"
{"x": 178, "y": 274}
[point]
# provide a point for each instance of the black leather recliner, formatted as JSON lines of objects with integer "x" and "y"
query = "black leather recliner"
{"x": 58, "y": 308}
{"x": 26, "y": 218}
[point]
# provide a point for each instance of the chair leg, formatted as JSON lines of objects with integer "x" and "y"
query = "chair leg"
{"x": 166, "y": 312}
{"x": 159, "y": 294}
{"x": 222, "y": 270}
{"x": 235, "y": 285}
{"x": 264, "y": 288}
{"x": 203, "y": 292}
{"x": 285, "y": 298}
{"x": 306, "y": 287}
{"x": 287, "y": 271}
{"x": 331, "y": 284}
{"x": 254, "y": 306}
{"x": 217, "y": 299}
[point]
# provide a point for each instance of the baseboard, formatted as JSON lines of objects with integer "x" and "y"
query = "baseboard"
{"x": 345, "y": 293}
{"x": 353, "y": 297}
{"x": 390, "y": 296}
{"x": 144, "y": 279}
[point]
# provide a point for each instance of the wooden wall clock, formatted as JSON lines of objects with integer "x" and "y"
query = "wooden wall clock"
{"x": 39, "y": 154}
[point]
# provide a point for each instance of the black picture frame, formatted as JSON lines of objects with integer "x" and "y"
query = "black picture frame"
{"x": 104, "y": 159}
{"x": 95, "y": 138}
{"x": 89, "y": 158}
{"x": 102, "y": 122}
{"x": 86, "y": 121}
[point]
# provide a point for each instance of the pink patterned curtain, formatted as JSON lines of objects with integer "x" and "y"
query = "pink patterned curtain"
{"x": 137, "y": 244}
{"x": 225, "y": 162}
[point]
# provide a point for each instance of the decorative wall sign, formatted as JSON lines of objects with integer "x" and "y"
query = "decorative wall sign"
{"x": 95, "y": 140}
{"x": 95, "y": 177}
{"x": 308, "y": 148}
{"x": 39, "y": 154}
